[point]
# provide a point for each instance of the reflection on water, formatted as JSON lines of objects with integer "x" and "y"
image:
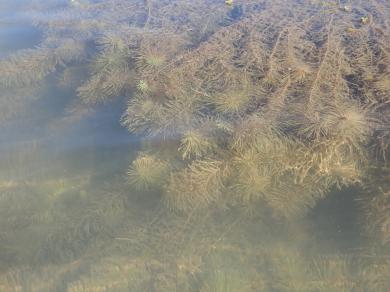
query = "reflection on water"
{"x": 185, "y": 145}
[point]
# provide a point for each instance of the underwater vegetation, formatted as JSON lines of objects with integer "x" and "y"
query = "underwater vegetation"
{"x": 247, "y": 116}
{"x": 301, "y": 75}
{"x": 146, "y": 172}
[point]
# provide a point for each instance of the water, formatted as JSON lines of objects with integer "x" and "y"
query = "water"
{"x": 194, "y": 145}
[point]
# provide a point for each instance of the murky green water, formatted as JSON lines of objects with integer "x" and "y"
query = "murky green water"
{"x": 177, "y": 145}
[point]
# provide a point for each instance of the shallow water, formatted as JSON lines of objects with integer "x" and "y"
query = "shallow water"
{"x": 194, "y": 146}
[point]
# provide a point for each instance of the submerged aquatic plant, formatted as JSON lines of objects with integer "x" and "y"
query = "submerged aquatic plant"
{"x": 263, "y": 106}
{"x": 195, "y": 145}
{"x": 142, "y": 86}
{"x": 150, "y": 59}
{"x": 376, "y": 213}
{"x": 196, "y": 187}
{"x": 147, "y": 172}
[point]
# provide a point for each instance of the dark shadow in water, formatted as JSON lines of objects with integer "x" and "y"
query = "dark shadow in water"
{"x": 334, "y": 221}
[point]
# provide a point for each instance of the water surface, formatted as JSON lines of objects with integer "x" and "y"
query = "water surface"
{"x": 194, "y": 145}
